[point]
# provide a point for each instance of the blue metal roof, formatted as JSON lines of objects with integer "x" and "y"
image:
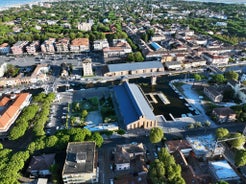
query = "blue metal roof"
{"x": 155, "y": 46}
{"x": 132, "y": 103}
{"x": 134, "y": 66}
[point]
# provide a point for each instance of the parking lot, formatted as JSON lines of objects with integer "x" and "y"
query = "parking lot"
{"x": 58, "y": 113}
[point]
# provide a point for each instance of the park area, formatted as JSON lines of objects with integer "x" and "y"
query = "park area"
{"x": 91, "y": 111}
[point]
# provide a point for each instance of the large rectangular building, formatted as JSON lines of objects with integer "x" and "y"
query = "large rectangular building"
{"x": 123, "y": 69}
{"x": 62, "y": 45}
{"x": 10, "y": 107}
{"x": 135, "y": 111}
{"x": 80, "y": 164}
{"x": 19, "y": 47}
{"x": 80, "y": 45}
{"x": 48, "y": 46}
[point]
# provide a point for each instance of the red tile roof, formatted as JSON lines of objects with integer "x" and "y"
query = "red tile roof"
{"x": 7, "y": 118}
{"x": 4, "y": 101}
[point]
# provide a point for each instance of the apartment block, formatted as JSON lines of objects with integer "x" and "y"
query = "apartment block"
{"x": 84, "y": 26}
{"x": 87, "y": 67}
{"x": 4, "y": 48}
{"x": 80, "y": 165}
{"x": 19, "y": 47}
{"x": 80, "y": 45}
{"x": 33, "y": 48}
{"x": 48, "y": 46}
{"x": 62, "y": 45}
{"x": 100, "y": 44}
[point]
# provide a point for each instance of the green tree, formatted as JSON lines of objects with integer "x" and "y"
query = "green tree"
{"x": 240, "y": 158}
{"x": 239, "y": 141}
{"x": 156, "y": 134}
{"x": 97, "y": 138}
{"x": 84, "y": 113}
{"x": 78, "y": 134}
{"x": 231, "y": 75}
{"x": 197, "y": 77}
{"x": 222, "y": 133}
{"x": 218, "y": 78}
{"x": 51, "y": 141}
{"x": 130, "y": 57}
{"x": 157, "y": 171}
{"x": 11, "y": 71}
{"x": 138, "y": 56}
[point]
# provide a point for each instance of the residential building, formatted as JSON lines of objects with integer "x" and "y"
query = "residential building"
{"x": 156, "y": 46}
{"x": 173, "y": 65}
{"x": 11, "y": 107}
{"x": 216, "y": 59}
{"x": 188, "y": 173}
{"x": 120, "y": 49}
{"x": 221, "y": 170}
{"x": 158, "y": 37}
{"x": 84, "y": 26}
{"x": 224, "y": 114}
{"x": 80, "y": 45}
{"x": 239, "y": 89}
{"x": 123, "y": 155}
{"x": 167, "y": 58}
{"x": 39, "y": 166}
{"x": 39, "y": 74}
{"x": 4, "y": 48}
{"x": 191, "y": 61}
{"x": 80, "y": 165}
{"x": 87, "y": 67}
{"x": 135, "y": 111}
{"x": 123, "y": 69}
{"x": 33, "y": 48}
{"x": 213, "y": 93}
{"x": 19, "y": 47}
{"x": 180, "y": 145}
{"x": 62, "y": 44}
{"x": 204, "y": 146}
{"x": 3, "y": 68}
{"x": 100, "y": 44}
{"x": 48, "y": 46}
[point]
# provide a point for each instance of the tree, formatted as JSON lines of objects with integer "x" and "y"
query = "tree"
{"x": 157, "y": 171}
{"x": 218, "y": 78}
{"x": 197, "y": 77}
{"x": 130, "y": 57}
{"x": 156, "y": 134}
{"x": 1, "y": 146}
{"x": 97, "y": 138}
{"x": 240, "y": 158}
{"x": 11, "y": 71}
{"x": 138, "y": 56}
{"x": 239, "y": 142}
{"x": 84, "y": 113}
{"x": 231, "y": 75}
{"x": 51, "y": 141}
{"x": 222, "y": 133}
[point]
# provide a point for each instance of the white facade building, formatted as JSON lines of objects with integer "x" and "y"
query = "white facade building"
{"x": 87, "y": 67}
{"x": 100, "y": 44}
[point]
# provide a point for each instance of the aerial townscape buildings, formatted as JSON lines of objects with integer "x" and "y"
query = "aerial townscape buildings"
{"x": 123, "y": 92}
